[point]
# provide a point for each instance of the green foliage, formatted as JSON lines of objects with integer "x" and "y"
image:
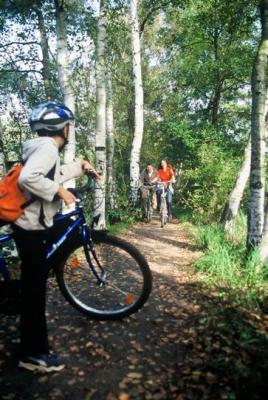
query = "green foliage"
{"x": 197, "y": 59}
{"x": 209, "y": 182}
{"x": 122, "y": 214}
{"x": 208, "y": 159}
{"x": 198, "y": 98}
{"x": 226, "y": 265}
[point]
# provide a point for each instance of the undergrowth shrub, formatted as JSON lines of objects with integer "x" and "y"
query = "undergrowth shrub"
{"x": 227, "y": 266}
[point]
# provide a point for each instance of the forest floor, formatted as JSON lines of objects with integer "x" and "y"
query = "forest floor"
{"x": 186, "y": 343}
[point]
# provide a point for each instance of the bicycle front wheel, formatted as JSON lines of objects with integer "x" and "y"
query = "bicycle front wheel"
{"x": 149, "y": 211}
{"x": 127, "y": 285}
{"x": 163, "y": 213}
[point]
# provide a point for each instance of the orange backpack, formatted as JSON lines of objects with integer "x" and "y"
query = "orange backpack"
{"x": 12, "y": 199}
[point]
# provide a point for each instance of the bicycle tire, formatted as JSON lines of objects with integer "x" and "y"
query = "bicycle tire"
{"x": 163, "y": 220}
{"x": 110, "y": 302}
{"x": 148, "y": 210}
{"x": 163, "y": 213}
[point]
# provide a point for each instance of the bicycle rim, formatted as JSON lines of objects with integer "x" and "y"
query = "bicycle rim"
{"x": 127, "y": 284}
{"x": 149, "y": 214}
{"x": 163, "y": 218}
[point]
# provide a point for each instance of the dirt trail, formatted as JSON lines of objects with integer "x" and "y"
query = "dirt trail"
{"x": 161, "y": 353}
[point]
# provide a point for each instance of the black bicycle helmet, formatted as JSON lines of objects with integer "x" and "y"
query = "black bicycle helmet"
{"x": 51, "y": 116}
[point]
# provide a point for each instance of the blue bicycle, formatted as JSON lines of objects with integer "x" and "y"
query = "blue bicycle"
{"x": 102, "y": 276}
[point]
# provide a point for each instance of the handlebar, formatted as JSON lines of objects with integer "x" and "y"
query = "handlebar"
{"x": 78, "y": 191}
{"x": 158, "y": 184}
{"x": 149, "y": 186}
{"x": 162, "y": 183}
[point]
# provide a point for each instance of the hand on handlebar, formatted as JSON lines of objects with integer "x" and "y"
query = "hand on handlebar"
{"x": 165, "y": 183}
{"x": 66, "y": 195}
{"x": 87, "y": 168}
{"x": 94, "y": 173}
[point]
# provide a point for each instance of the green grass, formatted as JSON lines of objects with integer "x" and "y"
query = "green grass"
{"x": 119, "y": 220}
{"x": 227, "y": 266}
{"x": 119, "y": 227}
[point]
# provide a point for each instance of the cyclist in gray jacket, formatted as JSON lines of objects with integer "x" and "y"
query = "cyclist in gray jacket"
{"x": 41, "y": 179}
{"x": 148, "y": 178}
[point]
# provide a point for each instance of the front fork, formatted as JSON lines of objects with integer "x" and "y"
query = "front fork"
{"x": 164, "y": 200}
{"x": 88, "y": 245}
{"x": 4, "y": 270}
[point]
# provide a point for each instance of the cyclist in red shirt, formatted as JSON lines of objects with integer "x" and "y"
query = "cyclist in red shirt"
{"x": 166, "y": 175}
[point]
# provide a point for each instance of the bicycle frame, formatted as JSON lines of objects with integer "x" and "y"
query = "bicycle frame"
{"x": 164, "y": 198}
{"x": 3, "y": 264}
{"x": 86, "y": 241}
{"x": 163, "y": 191}
{"x": 163, "y": 204}
{"x": 148, "y": 199}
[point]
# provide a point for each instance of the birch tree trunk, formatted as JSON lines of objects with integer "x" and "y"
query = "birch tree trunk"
{"x": 264, "y": 241}
{"x": 138, "y": 88}
{"x": 64, "y": 76}
{"x": 100, "y": 141}
{"x": 46, "y": 70}
{"x": 258, "y": 136}
{"x": 232, "y": 207}
{"x": 2, "y": 156}
{"x": 110, "y": 143}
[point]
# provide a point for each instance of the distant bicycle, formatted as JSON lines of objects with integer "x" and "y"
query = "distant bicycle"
{"x": 148, "y": 204}
{"x": 163, "y": 212}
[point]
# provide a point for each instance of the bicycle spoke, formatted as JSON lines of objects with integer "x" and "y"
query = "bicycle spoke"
{"x": 124, "y": 287}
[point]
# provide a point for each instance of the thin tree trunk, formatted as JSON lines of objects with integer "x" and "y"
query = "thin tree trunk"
{"x": 100, "y": 141}
{"x": 258, "y": 136}
{"x": 110, "y": 143}
{"x": 2, "y": 156}
{"x": 264, "y": 241}
{"x": 216, "y": 103}
{"x": 64, "y": 75}
{"x": 138, "y": 87}
{"x": 232, "y": 207}
{"x": 46, "y": 70}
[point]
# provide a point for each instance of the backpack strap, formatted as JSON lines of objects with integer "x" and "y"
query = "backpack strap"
{"x": 28, "y": 202}
{"x": 50, "y": 175}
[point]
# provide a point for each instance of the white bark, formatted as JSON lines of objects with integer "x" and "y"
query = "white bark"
{"x": 264, "y": 241}
{"x": 64, "y": 76}
{"x": 46, "y": 70}
{"x": 236, "y": 194}
{"x": 110, "y": 143}
{"x": 100, "y": 141}
{"x": 139, "y": 117}
{"x": 2, "y": 156}
{"x": 258, "y": 136}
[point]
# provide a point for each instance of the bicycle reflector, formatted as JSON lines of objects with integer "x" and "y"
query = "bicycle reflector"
{"x": 130, "y": 299}
{"x": 74, "y": 263}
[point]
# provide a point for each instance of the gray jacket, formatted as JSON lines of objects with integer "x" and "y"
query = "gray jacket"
{"x": 41, "y": 155}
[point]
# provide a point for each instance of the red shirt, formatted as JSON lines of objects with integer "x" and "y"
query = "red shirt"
{"x": 165, "y": 176}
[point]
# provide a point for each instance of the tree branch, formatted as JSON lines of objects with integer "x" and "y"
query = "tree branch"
{"x": 151, "y": 12}
{"x": 20, "y": 71}
{"x": 2, "y": 46}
